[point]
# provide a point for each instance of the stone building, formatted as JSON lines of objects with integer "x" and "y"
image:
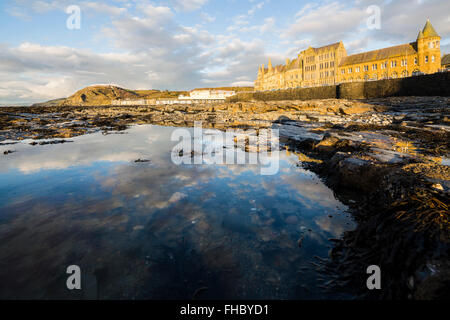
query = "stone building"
{"x": 330, "y": 64}
{"x": 281, "y": 76}
{"x": 321, "y": 64}
{"x": 445, "y": 62}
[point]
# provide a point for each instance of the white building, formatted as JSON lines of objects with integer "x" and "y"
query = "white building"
{"x": 203, "y": 96}
{"x": 206, "y": 94}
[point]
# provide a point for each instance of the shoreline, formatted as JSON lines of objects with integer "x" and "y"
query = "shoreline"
{"x": 384, "y": 158}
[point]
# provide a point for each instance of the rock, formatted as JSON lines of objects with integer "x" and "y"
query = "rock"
{"x": 292, "y": 220}
{"x": 438, "y": 186}
{"x": 300, "y": 242}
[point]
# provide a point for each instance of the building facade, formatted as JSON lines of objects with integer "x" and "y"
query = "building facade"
{"x": 331, "y": 65}
{"x": 445, "y": 62}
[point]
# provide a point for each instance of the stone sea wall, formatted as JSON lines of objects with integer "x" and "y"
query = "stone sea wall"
{"x": 437, "y": 84}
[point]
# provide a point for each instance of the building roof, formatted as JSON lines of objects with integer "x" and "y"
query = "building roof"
{"x": 420, "y": 35}
{"x": 279, "y": 68}
{"x": 428, "y": 30}
{"x": 445, "y": 59}
{"x": 294, "y": 64}
{"x": 381, "y": 54}
{"x": 328, "y": 47}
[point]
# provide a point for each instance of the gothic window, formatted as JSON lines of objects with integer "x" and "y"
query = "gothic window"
{"x": 426, "y": 59}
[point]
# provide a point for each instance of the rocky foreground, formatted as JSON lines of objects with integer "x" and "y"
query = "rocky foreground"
{"x": 387, "y": 159}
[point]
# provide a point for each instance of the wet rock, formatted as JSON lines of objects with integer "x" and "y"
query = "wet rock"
{"x": 438, "y": 186}
{"x": 300, "y": 242}
{"x": 43, "y": 143}
{"x": 292, "y": 220}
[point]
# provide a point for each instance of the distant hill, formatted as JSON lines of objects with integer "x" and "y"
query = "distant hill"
{"x": 98, "y": 95}
{"x": 102, "y": 95}
{"x": 51, "y": 103}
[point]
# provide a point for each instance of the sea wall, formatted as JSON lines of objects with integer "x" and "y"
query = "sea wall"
{"x": 437, "y": 84}
{"x": 325, "y": 92}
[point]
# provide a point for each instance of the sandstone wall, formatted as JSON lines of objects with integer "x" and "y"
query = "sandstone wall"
{"x": 437, "y": 84}
{"x": 326, "y": 92}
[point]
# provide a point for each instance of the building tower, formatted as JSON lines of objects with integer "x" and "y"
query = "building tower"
{"x": 429, "y": 49}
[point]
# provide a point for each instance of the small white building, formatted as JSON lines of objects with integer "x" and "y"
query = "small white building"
{"x": 207, "y": 94}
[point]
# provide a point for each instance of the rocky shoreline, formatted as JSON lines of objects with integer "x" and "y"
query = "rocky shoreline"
{"x": 387, "y": 159}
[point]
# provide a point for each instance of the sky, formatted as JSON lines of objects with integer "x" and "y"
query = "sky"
{"x": 185, "y": 44}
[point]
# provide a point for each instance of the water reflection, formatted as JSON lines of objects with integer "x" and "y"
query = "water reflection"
{"x": 157, "y": 230}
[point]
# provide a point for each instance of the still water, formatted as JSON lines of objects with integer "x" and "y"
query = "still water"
{"x": 156, "y": 230}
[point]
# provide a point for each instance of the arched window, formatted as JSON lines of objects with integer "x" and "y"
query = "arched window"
{"x": 366, "y": 77}
{"x": 385, "y": 75}
{"x": 394, "y": 75}
{"x": 375, "y": 76}
{"x": 404, "y": 73}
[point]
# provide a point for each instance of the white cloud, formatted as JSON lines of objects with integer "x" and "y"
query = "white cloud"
{"x": 104, "y": 8}
{"x": 325, "y": 24}
{"x": 189, "y": 5}
{"x": 207, "y": 17}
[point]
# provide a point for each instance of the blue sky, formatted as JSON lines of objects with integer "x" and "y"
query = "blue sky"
{"x": 184, "y": 44}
